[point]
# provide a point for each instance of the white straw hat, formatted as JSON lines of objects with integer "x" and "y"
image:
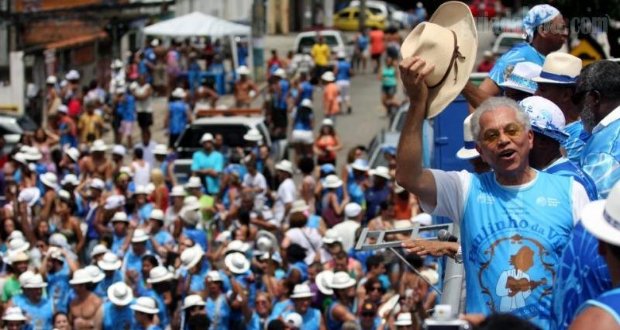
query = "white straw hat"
{"x": 159, "y": 274}
{"x": 468, "y": 151}
{"x": 521, "y": 77}
{"x": 237, "y": 246}
{"x": 157, "y": 214}
{"x": 51, "y": 80}
{"x": 237, "y": 263}
{"x": 177, "y": 191}
{"x": 119, "y": 149}
{"x": 285, "y": 165}
{"x": 403, "y": 319}
{"x": 602, "y": 217}
{"x": 95, "y": 273}
{"x": 120, "y": 217}
{"x": 546, "y": 118}
{"x": 160, "y": 149}
{"x": 560, "y": 68}
{"x": 449, "y": 41}
{"x": 120, "y": 294}
{"x": 342, "y": 280}
{"x": 280, "y": 73}
{"x": 14, "y": 314}
{"x": 139, "y": 236}
{"x": 327, "y": 122}
{"x": 253, "y": 135}
{"x": 301, "y": 291}
{"x": 179, "y": 93}
{"x": 70, "y": 179}
{"x": 352, "y": 210}
{"x": 98, "y": 146}
{"x": 80, "y": 276}
{"x": 299, "y": 205}
{"x": 360, "y": 165}
{"x": 191, "y": 256}
{"x": 243, "y": 70}
{"x": 18, "y": 245}
{"x": 192, "y": 301}
{"x": 332, "y": 182}
{"x": 99, "y": 249}
{"x": 323, "y": 282}
{"x": 193, "y": 182}
{"x": 14, "y": 257}
{"x": 73, "y": 153}
{"x": 145, "y": 305}
{"x": 50, "y": 180}
{"x": 381, "y": 171}
{"x": 109, "y": 262}
{"x": 214, "y": 276}
{"x": 331, "y": 237}
{"x": 328, "y": 76}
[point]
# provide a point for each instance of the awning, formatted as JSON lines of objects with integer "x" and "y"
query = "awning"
{"x": 76, "y": 41}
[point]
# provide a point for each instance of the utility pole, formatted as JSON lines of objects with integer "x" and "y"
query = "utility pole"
{"x": 258, "y": 38}
{"x": 362, "y": 16}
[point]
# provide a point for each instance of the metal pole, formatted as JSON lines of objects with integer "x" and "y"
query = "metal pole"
{"x": 362, "y": 16}
{"x": 453, "y": 280}
{"x": 258, "y": 32}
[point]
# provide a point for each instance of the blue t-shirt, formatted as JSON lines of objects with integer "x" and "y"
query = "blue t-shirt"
{"x": 362, "y": 42}
{"x": 283, "y": 94}
{"x": 374, "y": 198}
{"x": 344, "y": 70}
{"x": 303, "y": 119}
{"x": 306, "y": 91}
{"x": 127, "y": 109}
{"x": 600, "y": 158}
{"x": 212, "y": 161}
{"x": 582, "y": 275}
{"x": 565, "y": 167}
{"x": 512, "y": 239}
{"x": 40, "y": 315}
{"x": 164, "y": 318}
{"x": 197, "y": 236}
{"x": 577, "y": 138}
{"x": 101, "y": 289}
{"x": 522, "y": 52}
{"x": 116, "y": 317}
{"x": 178, "y": 116}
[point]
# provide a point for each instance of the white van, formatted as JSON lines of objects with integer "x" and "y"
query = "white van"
{"x": 333, "y": 38}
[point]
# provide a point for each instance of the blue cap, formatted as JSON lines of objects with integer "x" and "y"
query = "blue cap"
{"x": 328, "y": 168}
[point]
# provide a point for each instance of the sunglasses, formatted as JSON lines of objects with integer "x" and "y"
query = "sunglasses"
{"x": 511, "y": 130}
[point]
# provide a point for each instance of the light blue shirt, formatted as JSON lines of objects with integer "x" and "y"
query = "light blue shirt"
{"x": 40, "y": 315}
{"x": 58, "y": 288}
{"x": 219, "y": 312}
{"x": 601, "y": 156}
{"x": 582, "y": 275}
{"x": 212, "y": 161}
{"x": 522, "y": 52}
{"x": 576, "y": 141}
{"x": 512, "y": 238}
{"x": 311, "y": 320}
{"x": 565, "y": 167}
{"x": 102, "y": 287}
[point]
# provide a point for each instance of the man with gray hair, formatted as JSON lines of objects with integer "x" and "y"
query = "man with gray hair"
{"x": 514, "y": 220}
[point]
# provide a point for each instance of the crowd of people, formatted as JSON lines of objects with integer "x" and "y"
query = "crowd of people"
{"x": 98, "y": 236}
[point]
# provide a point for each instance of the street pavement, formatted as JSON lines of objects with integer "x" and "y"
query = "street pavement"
{"x": 368, "y": 116}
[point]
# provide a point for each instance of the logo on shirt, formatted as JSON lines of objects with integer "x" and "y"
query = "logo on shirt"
{"x": 547, "y": 201}
{"x": 484, "y": 198}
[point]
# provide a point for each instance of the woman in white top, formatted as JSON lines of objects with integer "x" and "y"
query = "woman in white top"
{"x": 141, "y": 169}
{"x": 308, "y": 238}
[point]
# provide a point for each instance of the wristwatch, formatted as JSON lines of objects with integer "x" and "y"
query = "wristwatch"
{"x": 458, "y": 257}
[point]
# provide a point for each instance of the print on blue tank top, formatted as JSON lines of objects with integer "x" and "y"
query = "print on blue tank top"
{"x": 512, "y": 252}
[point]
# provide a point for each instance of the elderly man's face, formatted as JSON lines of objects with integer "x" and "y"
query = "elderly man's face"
{"x": 503, "y": 141}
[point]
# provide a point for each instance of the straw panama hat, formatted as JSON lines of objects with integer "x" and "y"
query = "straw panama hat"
{"x": 159, "y": 274}
{"x": 80, "y": 276}
{"x": 120, "y": 294}
{"x": 193, "y": 300}
{"x": 285, "y": 166}
{"x": 14, "y": 314}
{"x": 145, "y": 305}
{"x": 450, "y": 40}
{"x": 403, "y": 319}
{"x": 602, "y": 217}
{"x": 253, "y": 135}
{"x": 109, "y": 262}
{"x": 191, "y": 257}
{"x": 301, "y": 291}
{"x": 237, "y": 263}
{"x": 179, "y": 93}
{"x": 468, "y": 151}
{"x": 99, "y": 249}
{"x": 342, "y": 280}
{"x": 323, "y": 281}
{"x": 560, "y": 68}
{"x": 328, "y": 76}
{"x": 95, "y": 273}
{"x": 332, "y": 181}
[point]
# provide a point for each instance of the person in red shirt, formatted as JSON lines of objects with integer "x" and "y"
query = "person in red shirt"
{"x": 377, "y": 46}
{"x": 274, "y": 61}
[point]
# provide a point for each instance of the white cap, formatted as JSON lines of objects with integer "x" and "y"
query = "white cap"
{"x": 352, "y": 210}
{"x": 381, "y": 171}
{"x": 331, "y": 237}
{"x": 243, "y": 70}
{"x": 327, "y": 122}
{"x": 293, "y": 320}
{"x": 50, "y": 180}
{"x": 155, "y": 42}
{"x": 332, "y": 181}
{"x": 299, "y": 205}
{"x": 51, "y": 80}
{"x": 546, "y": 118}
{"x": 119, "y": 150}
{"x": 179, "y": 93}
{"x": 62, "y": 108}
{"x": 214, "y": 276}
{"x": 72, "y": 75}
{"x": 253, "y": 135}
{"x": 280, "y": 73}
{"x": 360, "y": 165}
{"x": 328, "y": 76}
{"x": 97, "y": 183}
{"x": 207, "y": 137}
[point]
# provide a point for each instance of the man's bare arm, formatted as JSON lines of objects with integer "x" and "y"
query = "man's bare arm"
{"x": 475, "y": 95}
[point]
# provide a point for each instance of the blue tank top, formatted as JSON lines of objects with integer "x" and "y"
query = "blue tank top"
{"x": 576, "y": 141}
{"x": 178, "y": 117}
{"x": 608, "y": 301}
{"x": 303, "y": 119}
{"x": 333, "y": 324}
{"x": 565, "y": 167}
{"x": 117, "y": 318}
{"x": 305, "y": 91}
{"x": 362, "y": 42}
{"x": 40, "y": 315}
{"x": 511, "y": 252}
{"x": 582, "y": 275}
{"x": 58, "y": 288}
{"x": 344, "y": 70}
{"x": 283, "y": 94}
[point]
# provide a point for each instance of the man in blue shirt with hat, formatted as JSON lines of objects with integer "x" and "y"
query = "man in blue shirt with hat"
{"x": 546, "y": 32}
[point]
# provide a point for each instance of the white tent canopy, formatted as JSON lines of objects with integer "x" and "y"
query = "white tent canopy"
{"x": 197, "y": 24}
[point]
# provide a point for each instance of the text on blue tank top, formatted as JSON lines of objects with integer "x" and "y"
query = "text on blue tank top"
{"x": 608, "y": 301}
{"x": 512, "y": 240}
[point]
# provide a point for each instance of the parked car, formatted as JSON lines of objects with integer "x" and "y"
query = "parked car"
{"x": 348, "y": 19}
{"x": 232, "y": 129}
{"x": 12, "y": 132}
{"x": 333, "y": 38}
{"x": 505, "y": 41}
{"x": 486, "y": 8}
{"x": 395, "y": 16}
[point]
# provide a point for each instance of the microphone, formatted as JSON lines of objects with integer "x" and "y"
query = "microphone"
{"x": 445, "y": 236}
